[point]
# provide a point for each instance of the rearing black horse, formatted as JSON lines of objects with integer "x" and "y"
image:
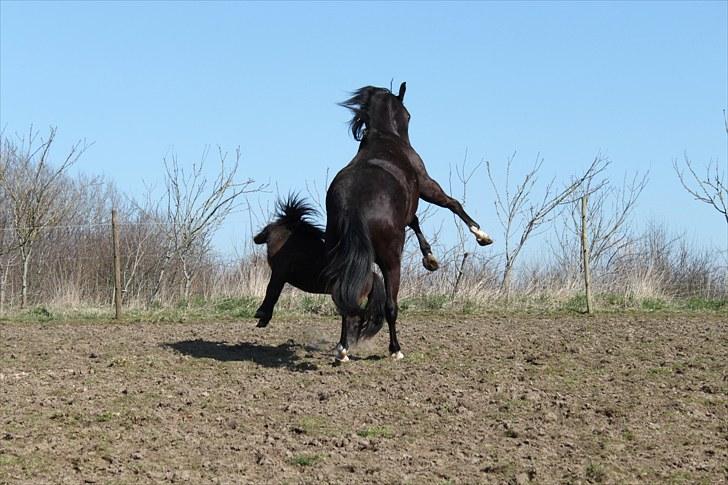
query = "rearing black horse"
{"x": 368, "y": 205}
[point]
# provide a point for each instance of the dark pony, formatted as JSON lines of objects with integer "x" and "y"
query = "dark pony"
{"x": 297, "y": 256}
{"x": 370, "y": 202}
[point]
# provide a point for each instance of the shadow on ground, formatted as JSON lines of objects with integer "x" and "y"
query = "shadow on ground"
{"x": 280, "y": 356}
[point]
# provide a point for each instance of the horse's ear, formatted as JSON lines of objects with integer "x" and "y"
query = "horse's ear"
{"x": 402, "y": 89}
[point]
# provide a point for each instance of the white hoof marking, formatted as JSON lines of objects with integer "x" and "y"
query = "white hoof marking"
{"x": 480, "y": 235}
{"x": 398, "y": 355}
{"x": 341, "y": 354}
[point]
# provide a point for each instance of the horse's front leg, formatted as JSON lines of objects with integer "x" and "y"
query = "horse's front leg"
{"x": 430, "y": 191}
{"x": 429, "y": 261}
{"x": 272, "y": 293}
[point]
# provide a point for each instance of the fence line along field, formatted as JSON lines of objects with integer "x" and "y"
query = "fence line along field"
{"x": 477, "y": 399}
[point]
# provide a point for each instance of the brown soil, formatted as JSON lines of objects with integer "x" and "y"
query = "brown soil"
{"x": 519, "y": 399}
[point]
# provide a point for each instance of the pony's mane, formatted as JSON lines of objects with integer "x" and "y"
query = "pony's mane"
{"x": 359, "y": 105}
{"x": 295, "y": 213}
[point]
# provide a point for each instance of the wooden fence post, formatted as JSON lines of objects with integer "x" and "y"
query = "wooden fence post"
{"x": 585, "y": 253}
{"x": 117, "y": 265}
{"x": 460, "y": 275}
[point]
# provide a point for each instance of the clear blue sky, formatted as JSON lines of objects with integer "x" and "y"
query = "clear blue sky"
{"x": 642, "y": 82}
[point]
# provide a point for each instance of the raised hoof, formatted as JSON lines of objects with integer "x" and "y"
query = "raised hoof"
{"x": 398, "y": 355}
{"x": 430, "y": 263}
{"x": 481, "y": 236}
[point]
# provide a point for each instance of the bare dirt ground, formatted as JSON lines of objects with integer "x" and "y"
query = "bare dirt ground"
{"x": 497, "y": 399}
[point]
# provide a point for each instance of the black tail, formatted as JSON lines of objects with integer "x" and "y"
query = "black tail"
{"x": 350, "y": 267}
{"x": 374, "y": 312}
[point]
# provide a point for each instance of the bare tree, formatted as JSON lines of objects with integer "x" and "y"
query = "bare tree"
{"x": 7, "y": 241}
{"x": 195, "y": 209}
{"x": 608, "y": 216}
{"x": 711, "y": 189}
{"x": 463, "y": 174}
{"x": 520, "y": 214}
{"x": 34, "y": 191}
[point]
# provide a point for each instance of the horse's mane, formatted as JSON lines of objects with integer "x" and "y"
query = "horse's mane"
{"x": 359, "y": 105}
{"x": 295, "y": 213}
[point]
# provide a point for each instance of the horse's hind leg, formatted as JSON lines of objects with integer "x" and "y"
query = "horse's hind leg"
{"x": 342, "y": 351}
{"x": 349, "y": 327}
{"x": 352, "y": 326}
{"x": 391, "y": 283}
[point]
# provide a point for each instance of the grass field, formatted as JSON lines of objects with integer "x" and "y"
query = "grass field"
{"x": 502, "y": 398}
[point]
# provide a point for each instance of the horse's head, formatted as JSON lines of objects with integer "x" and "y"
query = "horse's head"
{"x": 274, "y": 236}
{"x": 262, "y": 236}
{"x": 377, "y": 109}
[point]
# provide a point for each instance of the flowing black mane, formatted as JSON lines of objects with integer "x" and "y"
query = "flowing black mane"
{"x": 360, "y": 105}
{"x": 295, "y": 213}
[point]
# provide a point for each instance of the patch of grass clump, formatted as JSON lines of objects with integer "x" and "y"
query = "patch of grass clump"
{"x": 575, "y": 304}
{"x": 595, "y": 472}
{"x": 703, "y": 304}
{"x": 424, "y": 303}
{"x": 237, "y": 307}
{"x": 104, "y": 417}
{"x": 653, "y": 304}
{"x": 376, "y": 432}
{"x": 41, "y": 314}
{"x": 312, "y": 424}
{"x": 306, "y": 459}
{"x": 317, "y": 305}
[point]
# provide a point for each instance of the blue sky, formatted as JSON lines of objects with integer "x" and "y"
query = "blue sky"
{"x": 641, "y": 82}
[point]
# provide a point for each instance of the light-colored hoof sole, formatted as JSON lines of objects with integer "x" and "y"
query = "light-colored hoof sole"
{"x": 398, "y": 355}
{"x": 430, "y": 263}
{"x": 339, "y": 359}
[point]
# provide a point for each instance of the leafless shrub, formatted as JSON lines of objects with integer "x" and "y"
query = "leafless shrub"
{"x": 34, "y": 189}
{"x": 195, "y": 209}
{"x": 608, "y": 225}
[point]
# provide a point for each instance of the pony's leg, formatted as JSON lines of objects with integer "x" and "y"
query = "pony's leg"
{"x": 272, "y": 293}
{"x": 430, "y": 191}
{"x": 429, "y": 261}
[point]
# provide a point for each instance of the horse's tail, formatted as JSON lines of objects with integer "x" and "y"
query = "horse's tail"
{"x": 350, "y": 265}
{"x": 374, "y": 312}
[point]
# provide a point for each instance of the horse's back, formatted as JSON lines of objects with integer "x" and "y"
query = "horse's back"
{"x": 374, "y": 189}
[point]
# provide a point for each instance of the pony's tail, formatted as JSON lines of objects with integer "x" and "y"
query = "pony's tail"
{"x": 350, "y": 265}
{"x": 374, "y": 312}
